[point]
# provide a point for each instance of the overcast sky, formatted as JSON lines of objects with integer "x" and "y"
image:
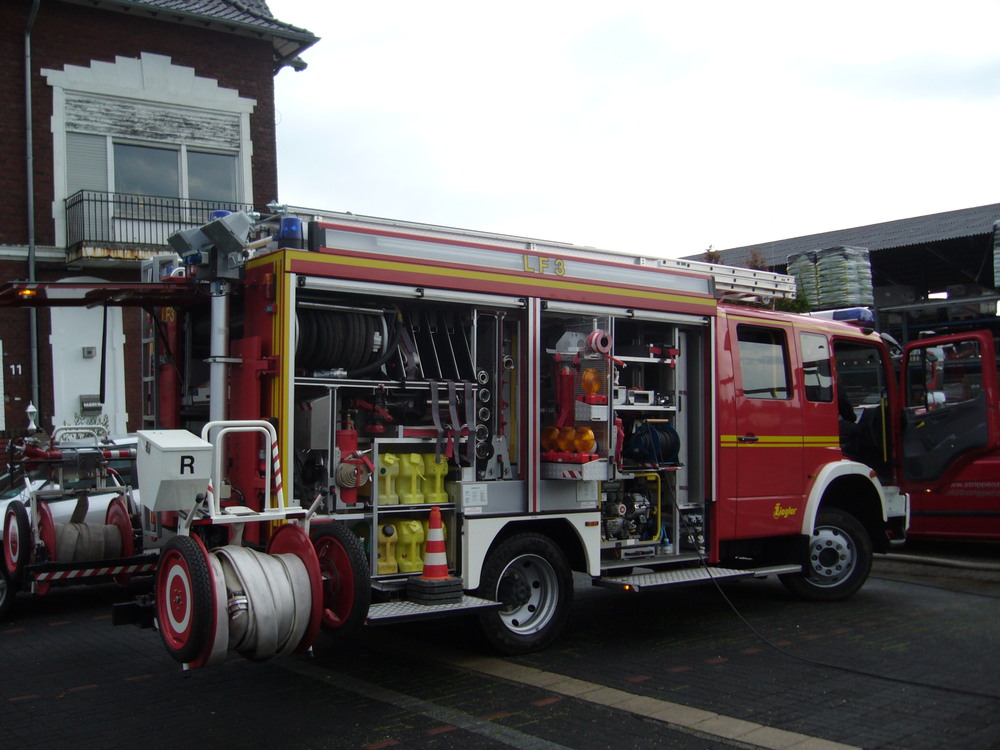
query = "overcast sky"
{"x": 654, "y": 127}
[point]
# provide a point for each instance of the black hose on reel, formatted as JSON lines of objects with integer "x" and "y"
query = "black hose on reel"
{"x": 653, "y": 443}
{"x": 387, "y": 351}
{"x": 338, "y": 340}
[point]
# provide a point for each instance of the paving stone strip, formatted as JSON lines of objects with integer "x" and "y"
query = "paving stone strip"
{"x": 678, "y": 716}
{"x": 448, "y": 716}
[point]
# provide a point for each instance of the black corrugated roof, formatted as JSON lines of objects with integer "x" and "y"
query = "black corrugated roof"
{"x": 920, "y": 230}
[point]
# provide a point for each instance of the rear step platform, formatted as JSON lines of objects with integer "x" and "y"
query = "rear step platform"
{"x": 678, "y": 577}
{"x": 389, "y": 613}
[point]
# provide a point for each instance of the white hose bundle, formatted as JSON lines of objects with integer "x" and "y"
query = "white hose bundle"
{"x": 350, "y": 474}
{"x": 78, "y": 542}
{"x": 269, "y": 601}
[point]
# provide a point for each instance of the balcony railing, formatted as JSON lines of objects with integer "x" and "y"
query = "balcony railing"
{"x": 121, "y": 223}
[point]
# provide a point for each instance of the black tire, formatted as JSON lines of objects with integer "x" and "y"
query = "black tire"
{"x": 185, "y": 598}
{"x": 837, "y": 559}
{"x": 16, "y": 542}
{"x": 347, "y": 587}
{"x": 7, "y": 594}
{"x": 530, "y": 575}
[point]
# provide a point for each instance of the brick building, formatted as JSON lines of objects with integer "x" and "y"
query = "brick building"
{"x": 143, "y": 117}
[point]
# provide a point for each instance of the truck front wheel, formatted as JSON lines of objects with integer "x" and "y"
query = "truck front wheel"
{"x": 837, "y": 561}
{"x": 531, "y": 578}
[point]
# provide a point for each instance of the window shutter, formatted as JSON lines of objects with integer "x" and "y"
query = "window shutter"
{"x": 86, "y": 162}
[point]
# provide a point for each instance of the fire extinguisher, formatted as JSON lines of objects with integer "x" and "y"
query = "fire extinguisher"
{"x": 355, "y": 468}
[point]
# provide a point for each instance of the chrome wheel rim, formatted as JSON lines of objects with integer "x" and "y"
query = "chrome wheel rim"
{"x": 832, "y": 556}
{"x": 529, "y": 590}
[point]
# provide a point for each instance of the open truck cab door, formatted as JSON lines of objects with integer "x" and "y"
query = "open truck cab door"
{"x": 951, "y": 435}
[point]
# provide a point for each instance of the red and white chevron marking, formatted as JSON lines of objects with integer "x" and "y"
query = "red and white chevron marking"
{"x": 278, "y": 489}
{"x": 65, "y": 575}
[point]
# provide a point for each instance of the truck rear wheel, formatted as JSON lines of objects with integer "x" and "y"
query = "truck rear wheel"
{"x": 837, "y": 561}
{"x": 16, "y": 541}
{"x": 185, "y": 598}
{"x": 530, "y": 576}
{"x": 346, "y": 578}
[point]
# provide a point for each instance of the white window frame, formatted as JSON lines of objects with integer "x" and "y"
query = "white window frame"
{"x": 182, "y": 151}
{"x": 150, "y": 80}
{"x": 185, "y": 172}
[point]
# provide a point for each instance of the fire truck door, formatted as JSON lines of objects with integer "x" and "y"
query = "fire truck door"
{"x": 951, "y": 413}
{"x": 768, "y": 440}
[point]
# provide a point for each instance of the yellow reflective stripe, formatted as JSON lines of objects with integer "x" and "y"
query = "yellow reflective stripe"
{"x": 544, "y": 281}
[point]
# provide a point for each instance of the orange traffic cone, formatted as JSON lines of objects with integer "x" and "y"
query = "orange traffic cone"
{"x": 435, "y": 558}
{"x": 435, "y": 585}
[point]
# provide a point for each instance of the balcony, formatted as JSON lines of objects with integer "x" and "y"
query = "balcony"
{"x": 122, "y": 229}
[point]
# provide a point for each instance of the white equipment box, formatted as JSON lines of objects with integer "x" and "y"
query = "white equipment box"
{"x": 174, "y": 466}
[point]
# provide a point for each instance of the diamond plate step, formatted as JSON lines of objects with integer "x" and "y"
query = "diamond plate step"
{"x": 663, "y": 578}
{"x": 388, "y": 613}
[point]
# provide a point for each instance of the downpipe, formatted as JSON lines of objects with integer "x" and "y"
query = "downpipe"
{"x": 30, "y": 185}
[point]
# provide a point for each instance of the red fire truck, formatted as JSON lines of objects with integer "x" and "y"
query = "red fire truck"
{"x": 360, "y": 421}
{"x": 951, "y": 416}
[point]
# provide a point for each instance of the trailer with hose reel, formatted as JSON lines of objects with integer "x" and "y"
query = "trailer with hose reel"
{"x": 466, "y": 419}
{"x": 69, "y": 513}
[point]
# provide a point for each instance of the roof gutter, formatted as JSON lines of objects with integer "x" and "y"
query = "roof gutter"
{"x": 30, "y": 162}
{"x": 303, "y": 38}
{"x": 293, "y": 61}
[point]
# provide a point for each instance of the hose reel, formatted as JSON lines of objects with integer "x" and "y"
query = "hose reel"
{"x": 82, "y": 542}
{"x": 260, "y": 604}
{"x": 357, "y": 341}
{"x": 268, "y": 601}
{"x": 79, "y": 542}
{"x": 653, "y": 442}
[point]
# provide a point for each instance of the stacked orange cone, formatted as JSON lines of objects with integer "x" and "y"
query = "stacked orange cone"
{"x": 435, "y": 558}
{"x": 435, "y": 585}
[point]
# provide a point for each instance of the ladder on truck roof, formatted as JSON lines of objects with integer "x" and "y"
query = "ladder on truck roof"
{"x": 734, "y": 283}
{"x": 730, "y": 282}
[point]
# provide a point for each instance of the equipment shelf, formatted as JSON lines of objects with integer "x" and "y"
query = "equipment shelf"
{"x": 589, "y": 471}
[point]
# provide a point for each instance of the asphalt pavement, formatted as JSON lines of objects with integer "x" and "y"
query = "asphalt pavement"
{"x": 910, "y": 662}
